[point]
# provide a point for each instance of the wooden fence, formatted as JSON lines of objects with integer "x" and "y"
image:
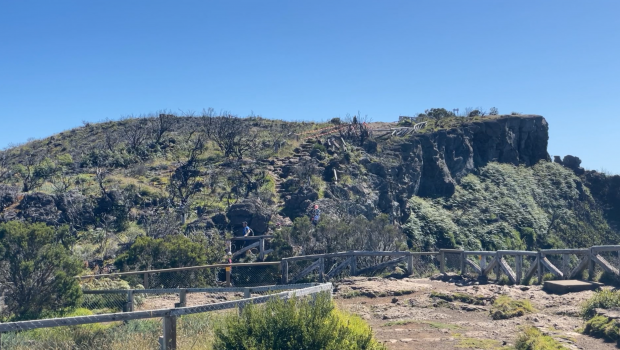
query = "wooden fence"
{"x": 586, "y": 258}
{"x": 350, "y": 261}
{"x": 168, "y": 340}
{"x": 146, "y": 273}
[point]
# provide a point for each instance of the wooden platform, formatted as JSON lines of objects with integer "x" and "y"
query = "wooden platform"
{"x": 570, "y": 286}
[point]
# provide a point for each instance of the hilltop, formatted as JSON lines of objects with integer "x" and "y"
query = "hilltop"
{"x": 474, "y": 182}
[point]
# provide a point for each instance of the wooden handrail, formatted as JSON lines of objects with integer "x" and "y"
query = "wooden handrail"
{"x": 130, "y": 273}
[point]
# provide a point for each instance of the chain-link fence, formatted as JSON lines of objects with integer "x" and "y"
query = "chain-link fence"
{"x": 189, "y": 327}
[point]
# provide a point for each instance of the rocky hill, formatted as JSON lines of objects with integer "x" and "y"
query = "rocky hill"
{"x": 201, "y": 176}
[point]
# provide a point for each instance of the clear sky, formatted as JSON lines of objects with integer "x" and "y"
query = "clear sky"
{"x": 64, "y": 62}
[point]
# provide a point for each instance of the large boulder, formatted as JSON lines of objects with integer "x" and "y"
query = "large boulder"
{"x": 297, "y": 203}
{"x": 253, "y": 211}
{"x": 8, "y": 195}
{"x": 75, "y": 208}
{"x": 39, "y": 207}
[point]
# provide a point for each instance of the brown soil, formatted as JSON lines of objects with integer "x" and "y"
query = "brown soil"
{"x": 403, "y": 314}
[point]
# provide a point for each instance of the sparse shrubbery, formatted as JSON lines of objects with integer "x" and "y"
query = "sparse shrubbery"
{"x": 533, "y": 339}
{"x": 510, "y": 207}
{"x": 294, "y": 324}
{"x": 505, "y": 307}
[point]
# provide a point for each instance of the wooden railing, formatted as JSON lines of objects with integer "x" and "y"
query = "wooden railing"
{"x": 169, "y": 316}
{"x": 350, "y": 261}
{"x": 146, "y": 273}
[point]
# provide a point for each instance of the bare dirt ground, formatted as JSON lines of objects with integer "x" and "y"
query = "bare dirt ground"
{"x": 403, "y": 314}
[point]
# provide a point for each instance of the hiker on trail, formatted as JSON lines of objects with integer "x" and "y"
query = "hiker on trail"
{"x": 247, "y": 231}
{"x": 316, "y": 214}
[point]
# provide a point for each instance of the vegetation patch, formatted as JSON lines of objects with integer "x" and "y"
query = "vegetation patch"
{"x": 534, "y": 339}
{"x": 505, "y": 307}
{"x": 294, "y": 324}
{"x": 604, "y": 299}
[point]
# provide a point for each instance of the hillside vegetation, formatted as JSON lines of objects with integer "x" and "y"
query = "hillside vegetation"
{"x": 167, "y": 191}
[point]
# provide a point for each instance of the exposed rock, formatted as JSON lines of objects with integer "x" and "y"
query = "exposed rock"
{"x": 220, "y": 220}
{"x": 8, "y": 195}
{"x": 253, "y": 212}
{"x": 200, "y": 225}
{"x": 39, "y": 207}
{"x": 297, "y": 203}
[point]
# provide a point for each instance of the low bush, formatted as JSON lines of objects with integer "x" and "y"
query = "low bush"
{"x": 601, "y": 326}
{"x": 533, "y": 339}
{"x": 604, "y": 299}
{"x": 294, "y": 324}
{"x": 505, "y": 307}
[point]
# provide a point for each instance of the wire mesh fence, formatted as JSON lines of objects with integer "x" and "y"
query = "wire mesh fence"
{"x": 194, "y": 325}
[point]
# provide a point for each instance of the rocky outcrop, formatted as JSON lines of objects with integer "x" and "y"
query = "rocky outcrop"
{"x": 430, "y": 165}
{"x": 252, "y": 211}
{"x": 39, "y": 207}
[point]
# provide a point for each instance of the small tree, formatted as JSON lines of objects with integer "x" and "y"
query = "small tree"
{"x": 230, "y": 133}
{"x": 493, "y": 111}
{"x": 38, "y": 273}
{"x": 163, "y": 124}
{"x": 135, "y": 133}
{"x": 185, "y": 180}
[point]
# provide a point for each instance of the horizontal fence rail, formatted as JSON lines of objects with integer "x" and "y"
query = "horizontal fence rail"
{"x": 236, "y": 274}
{"x": 169, "y": 316}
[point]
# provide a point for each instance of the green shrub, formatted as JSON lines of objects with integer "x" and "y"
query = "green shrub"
{"x": 294, "y": 324}
{"x": 37, "y": 272}
{"x": 505, "y": 307}
{"x": 533, "y": 339}
{"x": 601, "y": 326}
{"x": 604, "y": 299}
{"x": 319, "y": 147}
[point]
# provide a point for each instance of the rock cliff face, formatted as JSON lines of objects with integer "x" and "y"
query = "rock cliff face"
{"x": 430, "y": 165}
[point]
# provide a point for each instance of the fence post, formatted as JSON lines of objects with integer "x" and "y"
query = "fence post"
{"x": 565, "y": 258}
{"x": 146, "y": 280}
{"x": 169, "y": 340}
{"x": 540, "y": 267}
{"x": 182, "y": 299}
{"x": 261, "y": 247}
{"x": 519, "y": 273}
{"x": 353, "y": 265}
{"x": 247, "y": 292}
{"x": 591, "y": 266}
{"x": 129, "y": 304}
{"x": 442, "y": 262}
{"x": 409, "y": 264}
{"x": 284, "y": 268}
{"x": 321, "y": 269}
{"x": 463, "y": 266}
{"x": 228, "y": 272}
{"x": 498, "y": 269}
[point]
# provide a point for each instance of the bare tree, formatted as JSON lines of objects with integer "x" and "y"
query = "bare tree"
{"x": 110, "y": 139}
{"x": 163, "y": 124}
{"x": 184, "y": 181}
{"x": 135, "y": 132}
{"x": 159, "y": 223}
{"x": 233, "y": 135}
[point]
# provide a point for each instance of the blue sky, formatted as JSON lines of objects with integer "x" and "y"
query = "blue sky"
{"x": 62, "y": 62}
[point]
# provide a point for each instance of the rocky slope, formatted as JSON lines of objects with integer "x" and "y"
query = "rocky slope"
{"x": 126, "y": 178}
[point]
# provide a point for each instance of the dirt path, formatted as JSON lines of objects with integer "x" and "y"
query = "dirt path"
{"x": 403, "y": 314}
